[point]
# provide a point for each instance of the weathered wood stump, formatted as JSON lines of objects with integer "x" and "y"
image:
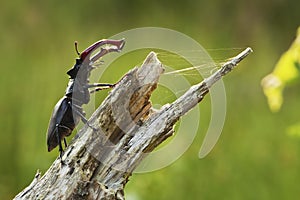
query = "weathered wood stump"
{"x": 98, "y": 163}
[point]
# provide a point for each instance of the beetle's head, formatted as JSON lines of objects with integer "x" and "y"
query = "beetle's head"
{"x": 75, "y": 69}
{"x": 90, "y": 54}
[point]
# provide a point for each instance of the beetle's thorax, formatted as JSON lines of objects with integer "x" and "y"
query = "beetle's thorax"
{"x": 78, "y": 83}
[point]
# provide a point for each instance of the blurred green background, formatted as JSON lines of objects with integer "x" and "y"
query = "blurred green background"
{"x": 254, "y": 158}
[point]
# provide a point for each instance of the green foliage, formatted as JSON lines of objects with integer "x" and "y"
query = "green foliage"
{"x": 294, "y": 130}
{"x": 253, "y": 159}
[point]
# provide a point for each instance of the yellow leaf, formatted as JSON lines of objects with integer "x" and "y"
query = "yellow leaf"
{"x": 285, "y": 72}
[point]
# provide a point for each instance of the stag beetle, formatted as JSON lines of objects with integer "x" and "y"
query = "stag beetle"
{"x": 68, "y": 110}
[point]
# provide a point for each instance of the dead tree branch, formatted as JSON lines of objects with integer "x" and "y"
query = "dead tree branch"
{"x": 97, "y": 164}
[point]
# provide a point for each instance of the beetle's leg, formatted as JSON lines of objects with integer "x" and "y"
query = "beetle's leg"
{"x": 65, "y": 143}
{"x": 78, "y": 111}
{"x": 100, "y": 86}
{"x": 59, "y": 142}
{"x": 59, "y": 139}
{"x": 108, "y": 85}
{"x": 98, "y": 89}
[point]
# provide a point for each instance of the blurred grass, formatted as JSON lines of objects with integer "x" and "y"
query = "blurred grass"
{"x": 254, "y": 158}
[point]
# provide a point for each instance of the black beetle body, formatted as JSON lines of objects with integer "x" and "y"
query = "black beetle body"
{"x": 68, "y": 110}
{"x": 62, "y": 122}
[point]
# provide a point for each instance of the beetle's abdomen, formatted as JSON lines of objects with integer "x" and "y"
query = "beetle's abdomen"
{"x": 62, "y": 122}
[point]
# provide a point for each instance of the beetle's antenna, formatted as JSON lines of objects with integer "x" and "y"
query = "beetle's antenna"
{"x": 76, "y": 48}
